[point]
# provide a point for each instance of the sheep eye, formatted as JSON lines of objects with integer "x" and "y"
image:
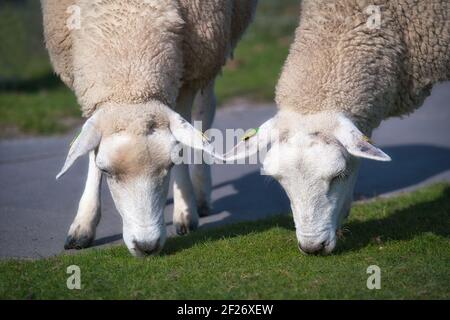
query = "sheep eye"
{"x": 106, "y": 172}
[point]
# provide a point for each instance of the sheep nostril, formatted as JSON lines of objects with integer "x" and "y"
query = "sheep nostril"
{"x": 313, "y": 249}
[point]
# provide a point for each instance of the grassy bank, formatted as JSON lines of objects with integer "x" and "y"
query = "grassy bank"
{"x": 407, "y": 237}
{"x": 34, "y": 101}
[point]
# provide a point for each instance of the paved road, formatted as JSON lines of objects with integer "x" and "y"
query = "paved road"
{"x": 36, "y": 211}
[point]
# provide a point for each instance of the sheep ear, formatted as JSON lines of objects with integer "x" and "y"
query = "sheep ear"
{"x": 87, "y": 140}
{"x": 356, "y": 142}
{"x": 186, "y": 134}
{"x": 253, "y": 141}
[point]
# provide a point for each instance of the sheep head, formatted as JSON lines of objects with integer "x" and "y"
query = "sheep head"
{"x": 316, "y": 159}
{"x": 135, "y": 147}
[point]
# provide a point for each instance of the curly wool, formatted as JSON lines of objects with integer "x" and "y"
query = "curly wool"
{"x": 134, "y": 51}
{"x": 338, "y": 63}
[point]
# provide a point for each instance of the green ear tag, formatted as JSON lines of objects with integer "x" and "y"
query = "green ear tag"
{"x": 250, "y": 133}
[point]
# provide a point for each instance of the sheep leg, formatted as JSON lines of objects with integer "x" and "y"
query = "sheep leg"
{"x": 201, "y": 173}
{"x": 185, "y": 216}
{"x": 82, "y": 231}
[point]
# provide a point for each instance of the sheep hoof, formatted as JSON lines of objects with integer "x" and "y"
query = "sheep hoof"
{"x": 204, "y": 210}
{"x": 78, "y": 242}
{"x": 181, "y": 229}
{"x": 184, "y": 228}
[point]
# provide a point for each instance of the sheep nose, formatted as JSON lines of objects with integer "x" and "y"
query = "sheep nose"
{"x": 147, "y": 248}
{"x": 312, "y": 248}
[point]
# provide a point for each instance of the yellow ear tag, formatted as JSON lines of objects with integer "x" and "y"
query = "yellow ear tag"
{"x": 250, "y": 133}
{"x": 367, "y": 139}
{"x": 205, "y": 138}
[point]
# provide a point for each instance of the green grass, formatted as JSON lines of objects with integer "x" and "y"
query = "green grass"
{"x": 32, "y": 98}
{"x": 259, "y": 57}
{"x": 407, "y": 237}
{"x": 43, "y": 112}
{"x": 34, "y": 101}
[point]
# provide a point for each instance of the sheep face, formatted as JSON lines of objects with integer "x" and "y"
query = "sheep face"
{"x": 137, "y": 168}
{"x": 315, "y": 159}
{"x": 135, "y": 148}
{"x": 318, "y": 176}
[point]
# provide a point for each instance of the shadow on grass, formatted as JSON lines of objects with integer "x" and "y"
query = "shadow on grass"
{"x": 226, "y": 232}
{"x": 405, "y": 224}
{"x": 43, "y": 82}
{"x": 174, "y": 245}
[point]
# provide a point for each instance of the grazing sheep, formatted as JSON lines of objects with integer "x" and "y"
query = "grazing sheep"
{"x": 344, "y": 75}
{"x": 136, "y": 67}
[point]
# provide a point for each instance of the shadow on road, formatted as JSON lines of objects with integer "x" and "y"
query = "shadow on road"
{"x": 255, "y": 195}
{"x": 410, "y": 165}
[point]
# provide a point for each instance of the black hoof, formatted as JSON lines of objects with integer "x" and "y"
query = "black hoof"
{"x": 183, "y": 230}
{"x": 204, "y": 210}
{"x": 78, "y": 243}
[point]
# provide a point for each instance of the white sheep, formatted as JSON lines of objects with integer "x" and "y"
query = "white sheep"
{"x": 353, "y": 64}
{"x": 130, "y": 63}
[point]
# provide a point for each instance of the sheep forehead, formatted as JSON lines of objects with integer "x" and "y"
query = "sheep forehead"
{"x": 129, "y": 156}
{"x": 139, "y": 119}
{"x": 294, "y": 124}
{"x": 307, "y": 142}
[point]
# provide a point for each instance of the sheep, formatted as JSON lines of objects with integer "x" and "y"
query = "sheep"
{"x": 352, "y": 64}
{"x": 135, "y": 67}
